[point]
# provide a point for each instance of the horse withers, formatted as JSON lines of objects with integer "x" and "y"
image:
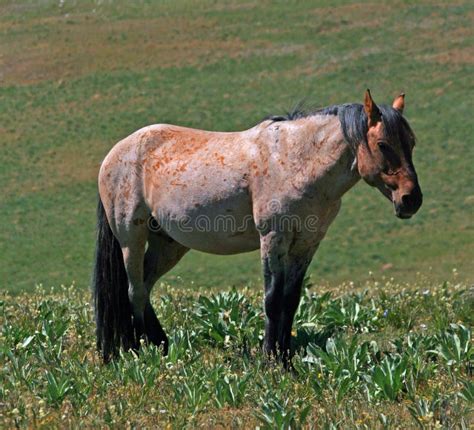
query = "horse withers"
{"x": 278, "y": 186}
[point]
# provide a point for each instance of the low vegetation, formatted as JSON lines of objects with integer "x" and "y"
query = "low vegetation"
{"x": 387, "y": 356}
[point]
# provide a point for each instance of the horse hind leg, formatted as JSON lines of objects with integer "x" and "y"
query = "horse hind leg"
{"x": 162, "y": 255}
{"x": 133, "y": 244}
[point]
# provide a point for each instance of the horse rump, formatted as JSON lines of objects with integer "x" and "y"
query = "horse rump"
{"x": 113, "y": 312}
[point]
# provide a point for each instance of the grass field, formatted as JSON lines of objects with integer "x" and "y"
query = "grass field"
{"x": 77, "y": 76}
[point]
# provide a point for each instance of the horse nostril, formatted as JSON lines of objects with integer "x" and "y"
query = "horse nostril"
{"x": 407, "y": 201}
{"x": 411, "y": 202}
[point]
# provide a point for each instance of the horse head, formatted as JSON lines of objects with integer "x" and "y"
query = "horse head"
{"x": 385, "y": 159}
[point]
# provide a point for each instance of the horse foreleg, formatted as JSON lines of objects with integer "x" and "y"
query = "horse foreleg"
{"x": 295, "y": 273}
{"x": 274, "y": 253}
{"x": 284, "y": 270}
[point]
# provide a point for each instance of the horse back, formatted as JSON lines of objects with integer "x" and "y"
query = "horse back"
{"x": 178, "y": 171}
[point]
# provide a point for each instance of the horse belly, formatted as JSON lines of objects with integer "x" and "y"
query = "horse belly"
{"x": 223, "y": 226}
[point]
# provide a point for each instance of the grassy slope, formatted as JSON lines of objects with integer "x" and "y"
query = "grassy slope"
{"x": 76, "y": 79}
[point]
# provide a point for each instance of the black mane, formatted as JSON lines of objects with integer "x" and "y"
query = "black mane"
{"x": 354, "y": 126}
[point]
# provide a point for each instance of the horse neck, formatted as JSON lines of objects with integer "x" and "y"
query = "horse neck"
{"x": 327, "y": 161}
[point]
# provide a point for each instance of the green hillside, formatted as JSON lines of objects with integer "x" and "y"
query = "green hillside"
{"x": 77, "y": 78}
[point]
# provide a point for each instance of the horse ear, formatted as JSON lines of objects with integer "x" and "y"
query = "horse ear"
{"x": 399, "y": 103}
{"x": 371, "y": 109}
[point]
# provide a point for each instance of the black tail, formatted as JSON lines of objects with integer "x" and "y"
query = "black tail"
{"x": 113, "y": 313}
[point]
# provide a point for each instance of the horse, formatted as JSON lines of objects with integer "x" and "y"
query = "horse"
{"x": 166, "y": 189}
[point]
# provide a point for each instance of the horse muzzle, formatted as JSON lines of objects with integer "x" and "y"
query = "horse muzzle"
{"x": 408, "y": 204}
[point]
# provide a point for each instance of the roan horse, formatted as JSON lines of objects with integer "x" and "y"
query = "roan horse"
{"x": 299, "y": 165}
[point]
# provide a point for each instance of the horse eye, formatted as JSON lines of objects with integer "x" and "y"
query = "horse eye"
{"x": 387, "y": 150}
{"x": 384, "y": 147}
{"x": 392, "y": 161}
